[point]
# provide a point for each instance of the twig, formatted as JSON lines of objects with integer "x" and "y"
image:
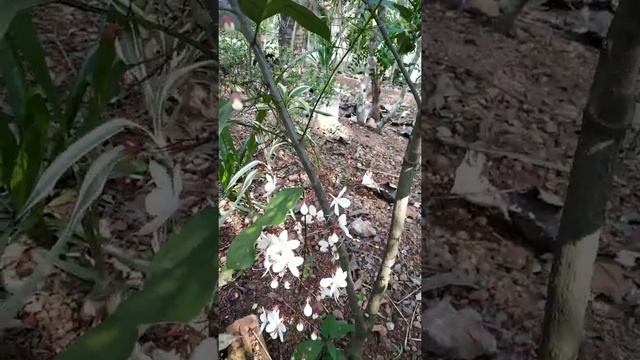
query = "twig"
{"x": 406, "y": 337}
{"x": 264, "y": 348}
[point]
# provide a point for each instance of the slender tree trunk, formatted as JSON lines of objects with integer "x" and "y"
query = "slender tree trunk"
{"x": 606, "y": 118}
{"x": 285, "y": 32}
{"x": 410, "y": 166}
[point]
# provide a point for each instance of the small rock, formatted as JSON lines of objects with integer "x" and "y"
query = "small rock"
{"x": 363, "y": 228}
{"x": 462, "y": 235}
{"x": 371, "y": 123}
{"x": 458, "y": 128}
{"x": 551, "y": 127}
{"x": 443, "y": 132}
{"x": 456, "y": 333}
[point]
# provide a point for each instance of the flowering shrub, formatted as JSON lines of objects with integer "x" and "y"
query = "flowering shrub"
{"x": 279, "y": 253}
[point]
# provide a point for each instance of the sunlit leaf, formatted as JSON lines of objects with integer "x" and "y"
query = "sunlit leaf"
{"x": 242, "y": 251}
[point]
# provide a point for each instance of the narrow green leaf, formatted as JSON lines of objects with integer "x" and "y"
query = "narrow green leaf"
{"x": 10, "y": 8}
{"x": 13, "y": 78}
{"x": 8, "y": 152}
{"x": 30, "y": 157}
{"x": 91, "y": 188}
{"x": 25, "y": 37}
{"x": 242, "y": 251}
{"x": 308, "y": 350}
{"x": 73, "y": 153}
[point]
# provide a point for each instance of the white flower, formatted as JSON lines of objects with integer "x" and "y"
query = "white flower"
{"x": 281, "y": 256}
{"x": 331, "y": 286}
{"x": 263, "y": 319}
{"x": 287, "y": 285}
{"x": 342, "y": 221}
{"x": 307, "y": 309}
{"x": 270, "y": 185}
{"x": 315, "y": 316}
{"x": 274, "y": 283}
{"x": 310, "y": 212}
{"x": 236, "y": 101}
{"x": 314, "y": 336}
{"x": 300, "y": 326}
{"x": 264, "y": 240}
{"x": 329, "y": 243}
{"x": 339, "y": 201}
{"x": 272, "y": 323}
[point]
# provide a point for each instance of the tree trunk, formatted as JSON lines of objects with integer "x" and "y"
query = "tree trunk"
{"x": 606, "y": 118}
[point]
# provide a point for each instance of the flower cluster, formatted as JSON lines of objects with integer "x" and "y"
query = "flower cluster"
{"x": 279, "y": 254}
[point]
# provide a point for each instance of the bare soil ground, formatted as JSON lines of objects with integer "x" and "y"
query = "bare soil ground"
{"x": 517, "y": 96}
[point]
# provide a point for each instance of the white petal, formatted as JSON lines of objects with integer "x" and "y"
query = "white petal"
{"x": 308, "y": 310}
{"x": 279, "y": 265}
{"x": 326, "y": 282}
{"x": 273, "y": 335}
{"x": 271, "y": 327}
{"x": 284, "y": 236}
{"x": 293, "y": 244}
{"x": 344, "y": 202}
{"x": 342, "y": 192}
{"x": 312, "y": 210}
{"x": 300, "y": 326}
{"x": 274, "y": 283}
{"x": 304, "y": 210}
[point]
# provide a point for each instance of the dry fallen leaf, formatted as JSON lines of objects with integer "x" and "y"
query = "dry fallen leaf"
{"x": 627, "y": 258}
{"x": 608, "y": 280}
{"x": 474, "y": 187}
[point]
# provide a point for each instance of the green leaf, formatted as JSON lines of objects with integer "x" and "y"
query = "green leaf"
{"x": 224, "y": 113}
{"x": 333, "y": 353}
{"x": 8, "y": 152}
{"x": 13, "y": 78}
{"x": 71, "y": 155}
{"x": 90, "y": 190}
{"x": 307, "y": 19}
{"x": 260, "y": 10}
{"x": 331, "y": 328}
{"x": 80, "y": 86}
{"x": 30, "y": 157}
{"x": 11, "y": 8}
{"x": 308, "y": 350}
{"x": 25, "y": 37}
{"x": 242, "y": 251}
{"x": 404, "y": 11}
{"x": 177, "y": 289}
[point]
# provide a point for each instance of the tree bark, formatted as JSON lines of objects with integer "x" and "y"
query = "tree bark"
{"x": 606, "y": 118}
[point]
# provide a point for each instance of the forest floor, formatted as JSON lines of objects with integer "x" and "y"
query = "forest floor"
{"x": 344, "y": 157}
{"x": 62, "y": 309}
{"x": 518, "y": 101}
